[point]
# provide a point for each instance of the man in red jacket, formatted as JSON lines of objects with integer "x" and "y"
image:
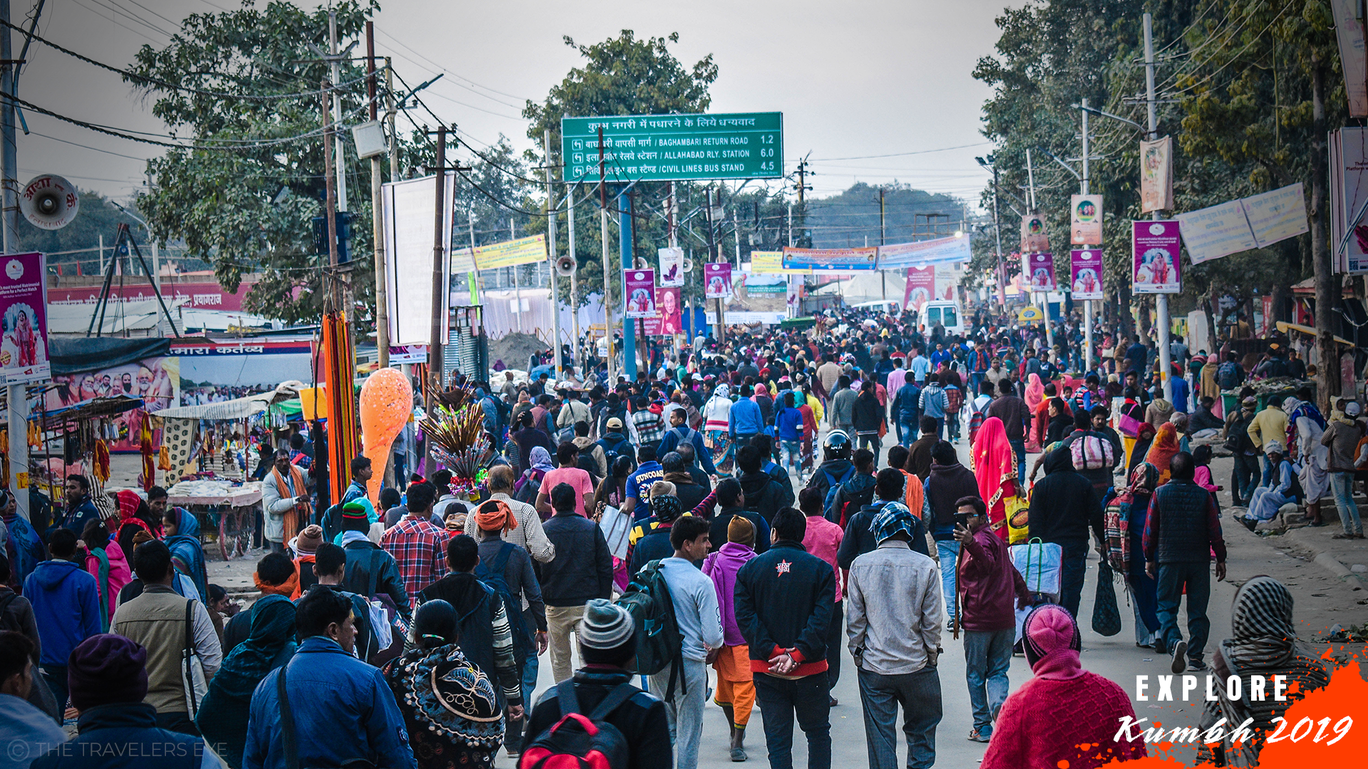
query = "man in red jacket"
{"x": 987, "y": 587}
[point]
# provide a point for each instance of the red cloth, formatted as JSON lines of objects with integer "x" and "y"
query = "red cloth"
{"x": 1043, "y": 723}
{"x": 995, "y": 469}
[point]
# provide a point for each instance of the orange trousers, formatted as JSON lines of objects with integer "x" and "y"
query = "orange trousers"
{"x": 735, "y": 685}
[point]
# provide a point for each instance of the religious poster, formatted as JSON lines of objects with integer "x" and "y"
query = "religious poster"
{"x": 671, "y": 267}
{"x": 1040, "y": 271}
{"x": 1085, "y": 213}
{"x": 1156, "y": 247}
{"x": 638, "y": 286}
{"x": 1085, "y": 274}
{"x": 23, "y": 311}
{"x": 1156, "y": 175}
{"x": 667, "y": 318}
{"x": 717, "y": 280}
{"x": 921, "y": 287}
{"x": 1033, "y": 237}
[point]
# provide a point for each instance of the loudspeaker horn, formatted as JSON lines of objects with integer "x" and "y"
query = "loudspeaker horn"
{"x": 688, "y": 265}
{"x": 565, "y": 266}
{"x": 49, "y": 202}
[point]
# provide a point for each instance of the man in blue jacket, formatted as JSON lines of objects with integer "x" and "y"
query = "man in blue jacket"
{"x": 745, "y": 419}
{"x": 680, "y": 433}
{"x": 80, "y": 508}
{"x": 784, "y": 601}
{"x": 342, "y": 708}
{"x": 66, "y": 607}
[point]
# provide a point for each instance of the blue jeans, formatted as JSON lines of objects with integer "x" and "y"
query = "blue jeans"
{"x": 1019, "y": 448}
{"x": 987, "y": 655}
{"x": 1074, "y": 567}
{"x": 56, "y": 678}
{"x": 948, "y": 550}
{"x": 952, "y": 427}
{"x": 1196, "y": 578}
{"x": 907, "y": 431}
{"x": 1242, "y": 478}
{"x": 940, "y": 427}
{"x": 919, "y": 694}
{"x": 1343, "y": 484}
{"x": 792, "y": 453}
{"x": 780, "y": 700}
{"x": 1268, "y": 472}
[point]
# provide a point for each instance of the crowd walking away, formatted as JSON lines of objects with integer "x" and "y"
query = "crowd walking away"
{"x": 770, "y": 529}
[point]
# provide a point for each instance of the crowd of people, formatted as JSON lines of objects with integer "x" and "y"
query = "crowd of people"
{"x": 719, "y": 528}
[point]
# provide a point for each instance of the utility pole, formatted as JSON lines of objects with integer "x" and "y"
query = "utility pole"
{"x": 439, "y": 224}
{"x": 551, "y": 256}
{"x": 332, "y": 300}
{"x": 1160, "y": 300}
{"x": 1044, "y": 297}
{"x": 340, "y": 162}
{"x": 607, "y": 271}
{"x": 1087, "y": 303}
{"x": 883, "y": 233}
{"x": 17, "y": 394}
{"x": 517, "y": 290}
{"x": 574, "y": 275}
{"x": 377, "y": 221}
{"x": 712, "y": 257}
{"x": 736, "y": 233}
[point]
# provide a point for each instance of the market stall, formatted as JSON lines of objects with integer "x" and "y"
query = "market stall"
{"x": 205, "y": 458}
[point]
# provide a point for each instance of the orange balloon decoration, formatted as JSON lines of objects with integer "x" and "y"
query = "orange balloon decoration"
{"x": 386, "y": 404}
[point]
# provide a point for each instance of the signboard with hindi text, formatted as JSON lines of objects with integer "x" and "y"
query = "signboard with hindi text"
{"x": 946, "y": 250}
{"x": 1217, "y": 231}
{"x": 657, "y": 148}
{"x": 1277, "y": 214}
{"x": 23, "y": 305}
{"x": 831, "y": 259}
{"x": 1085, "y": 273}
{"x": 772, "y": 263}
{"x": 1156, "y": 247}
{"x": 511, "y": 253}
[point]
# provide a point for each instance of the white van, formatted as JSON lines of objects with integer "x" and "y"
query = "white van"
{"x": 945, "y": 312}
{"x": 890, "y": 306}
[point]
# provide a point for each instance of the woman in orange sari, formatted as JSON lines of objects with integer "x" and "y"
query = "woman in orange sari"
{"x": 1163, "y": 448}
{"x": 995, "y": 470}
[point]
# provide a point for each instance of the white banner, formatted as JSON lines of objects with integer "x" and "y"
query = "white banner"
{"x": 671, "y": 267}
{"x": 409, "y": 211}
{"x": 900, "y": 256}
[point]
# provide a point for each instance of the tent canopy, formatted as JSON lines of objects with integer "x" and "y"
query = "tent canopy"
{"x": 239, "y": 408}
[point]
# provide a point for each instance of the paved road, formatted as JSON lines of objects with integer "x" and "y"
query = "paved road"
{"x": 1116, "y": 657}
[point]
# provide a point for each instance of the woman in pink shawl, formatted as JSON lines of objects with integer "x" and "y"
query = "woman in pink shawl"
{"x": 1035, "y": 399}
{"x": 995, "y": 470}
{"x": 735, "y": 686}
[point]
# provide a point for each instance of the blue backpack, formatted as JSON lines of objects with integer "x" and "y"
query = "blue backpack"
{"x": 493, "y": 577}
{"x": 833, "y": 485}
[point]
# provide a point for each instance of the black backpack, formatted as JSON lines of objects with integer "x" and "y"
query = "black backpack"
{"x": 577, "y": 740}
{"x": 493, "y": 577}
{"x": 1228, "y": 375}
{"x": 659, "y": 642}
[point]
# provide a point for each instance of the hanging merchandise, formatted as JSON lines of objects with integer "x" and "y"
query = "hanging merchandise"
{"x": 149, "y": 468}
{"x": 100, "y": 464}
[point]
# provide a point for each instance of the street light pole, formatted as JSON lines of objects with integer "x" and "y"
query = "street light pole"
{"x": 1087, "y": 303}
{"x": 1160, "y": 300}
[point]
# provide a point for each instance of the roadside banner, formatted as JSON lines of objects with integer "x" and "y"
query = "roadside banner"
{"x": 717, "y": 280}
{"x": 1040, "y": 271}
{"x": 1156, "y": 247}
{"x": 938, "y": 251}
{"x": 671, "y": 266}
{"x": 1085, "y": 213}
{"x": 639, "y": 288}
{"x": 1085, "y": 274}
{"x": 23, "y": 306}
{"x": 831, "y": 259}
{"x": 921, "y": 287}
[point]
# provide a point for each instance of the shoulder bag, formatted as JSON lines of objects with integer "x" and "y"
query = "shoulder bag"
{"x": 192, "y": 667}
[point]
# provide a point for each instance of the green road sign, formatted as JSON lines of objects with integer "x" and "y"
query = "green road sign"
{"x": 657, "y": 148}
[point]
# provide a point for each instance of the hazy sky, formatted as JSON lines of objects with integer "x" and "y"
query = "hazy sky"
{"x": 854, "y": 79}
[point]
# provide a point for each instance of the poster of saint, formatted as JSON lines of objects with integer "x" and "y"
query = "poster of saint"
{"x": 1156, "y": 247}
{"x": 717, "y": 280}
{"x": 639, "y": 288}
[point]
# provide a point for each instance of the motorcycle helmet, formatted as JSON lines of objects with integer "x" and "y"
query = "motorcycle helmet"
{"x": 836, "y": 445}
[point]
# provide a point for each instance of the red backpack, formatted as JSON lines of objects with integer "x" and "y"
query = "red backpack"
{"x": 577, "y": 741}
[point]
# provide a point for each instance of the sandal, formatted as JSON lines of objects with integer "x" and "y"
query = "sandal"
{"x": 1342, "y": 535}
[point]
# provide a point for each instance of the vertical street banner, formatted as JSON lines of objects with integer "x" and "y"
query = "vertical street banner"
{"x": 639, "y": 288}
{"x": 1040, "y": 270}
{"x": 1033, "y": 237}
{"x": 1156, "y": 175}
{"x": 23, "y": 307}
{"x": 666, "y": 321}
{"x": 1085, "y": 273}
{"x": 717, "y": 280}
{"x": 1156, "y": 247}
{"x": 671, "y": 267}
{"x": 1085, "y": 214}
{"x": 921, "y": 287}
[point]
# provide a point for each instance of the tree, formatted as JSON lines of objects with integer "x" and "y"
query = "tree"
{"x": 624, "y": 75}
{"x": 243, "y": 198}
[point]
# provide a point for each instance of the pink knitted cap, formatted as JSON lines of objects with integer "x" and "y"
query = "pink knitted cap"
{"x": 1050, "y": 627}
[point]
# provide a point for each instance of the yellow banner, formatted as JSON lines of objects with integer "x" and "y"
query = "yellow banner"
{"x": 511, "y": 253}
{"x": 772, "y": 263}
